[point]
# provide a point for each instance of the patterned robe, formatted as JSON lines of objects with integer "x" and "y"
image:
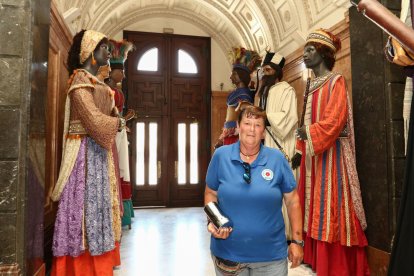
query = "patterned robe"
{"x": 328, "y": 184}
{"x": 88, "y": 217}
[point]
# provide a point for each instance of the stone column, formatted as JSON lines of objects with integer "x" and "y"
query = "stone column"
{"x": 377, "y": 94}
{"x": 24, "y": 36}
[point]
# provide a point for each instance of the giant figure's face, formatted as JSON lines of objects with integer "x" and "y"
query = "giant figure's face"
{"x": 117, "y": 75}
{"x": 102, "y": 54}
{"x": 234, "y": 77}
{"x": 311, "y": 57}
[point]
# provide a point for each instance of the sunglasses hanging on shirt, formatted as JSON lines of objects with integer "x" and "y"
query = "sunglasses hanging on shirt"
{"x": 246, "y": 175}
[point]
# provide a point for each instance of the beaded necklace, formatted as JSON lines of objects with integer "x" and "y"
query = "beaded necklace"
{"x": 318, "y": 81}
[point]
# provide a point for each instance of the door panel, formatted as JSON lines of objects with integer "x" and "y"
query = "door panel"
{"x": 146, "y": 173}
{"x": 151, "y": 99}
{"x": 179, "y": 104}
{"x": 187, "y": 185}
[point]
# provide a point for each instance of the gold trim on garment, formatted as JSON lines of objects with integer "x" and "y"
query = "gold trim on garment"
{"x": 347, "y": 215}
{"x": 116, "y": 212}
{"x": 329, "y": 196}
{"x": 309, "y": 137}
{"x": 68, "y": 161}
{"x": 81, "y": 85}
{"x": 76, "y": 127}
{"x": 320, "y": 81}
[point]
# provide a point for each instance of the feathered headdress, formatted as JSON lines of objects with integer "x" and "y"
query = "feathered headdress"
{"x": 244, "y": 59}
{"x": 119, "y": 52}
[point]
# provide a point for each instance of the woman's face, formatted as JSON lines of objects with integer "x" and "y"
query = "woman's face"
{"x": 102, "y": 54}
{"x": 311, "y": 57}
{"x": 251, "y": 130}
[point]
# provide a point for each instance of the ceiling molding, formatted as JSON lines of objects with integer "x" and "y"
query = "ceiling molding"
{"x": 224, "y": 41}
{"x": 245, "y": 35}
{"x": 278, "y": 24}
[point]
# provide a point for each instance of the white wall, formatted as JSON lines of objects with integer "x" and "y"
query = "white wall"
{"x": 220, "y": 65}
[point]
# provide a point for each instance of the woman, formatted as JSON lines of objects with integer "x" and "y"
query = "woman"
{"x": 334, "y": 217}
{"x": 248, "y": 181}
{"x": 88, "y": 223}
{"x": 244, "y": 63}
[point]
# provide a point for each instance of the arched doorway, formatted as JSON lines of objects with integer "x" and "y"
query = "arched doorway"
{"x": 168, "y": 79}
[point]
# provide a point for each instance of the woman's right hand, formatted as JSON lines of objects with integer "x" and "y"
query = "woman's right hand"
{"x": 221, "y": 233}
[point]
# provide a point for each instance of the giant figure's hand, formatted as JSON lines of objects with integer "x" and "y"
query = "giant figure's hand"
{"x": 301, "y": 133}
{"x": 296, "y": 159}
{"x": 129, "y": 115}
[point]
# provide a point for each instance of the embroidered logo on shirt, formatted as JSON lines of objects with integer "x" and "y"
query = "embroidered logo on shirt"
{"x": 267, "y": 174}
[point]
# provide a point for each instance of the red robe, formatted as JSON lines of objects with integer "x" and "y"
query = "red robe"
{"x": 328, "y": 184}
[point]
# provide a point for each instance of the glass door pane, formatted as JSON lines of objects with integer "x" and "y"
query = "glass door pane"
{"x": 140, "y": 149}
{"x": 152, "y": 159}
{"x": 194, "y": 153}
{"x": 181, "y": 179}
{"x": 147, "y": 164}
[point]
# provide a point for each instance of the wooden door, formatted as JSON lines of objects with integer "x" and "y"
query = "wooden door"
{"x": 168, "y": 85}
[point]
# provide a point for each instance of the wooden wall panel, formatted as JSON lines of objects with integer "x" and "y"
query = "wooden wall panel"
{"x": 218, "y": 114}
{"x": 60, "y": 40}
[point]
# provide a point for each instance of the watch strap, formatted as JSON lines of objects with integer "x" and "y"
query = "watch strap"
{"x": 301, "y": 243}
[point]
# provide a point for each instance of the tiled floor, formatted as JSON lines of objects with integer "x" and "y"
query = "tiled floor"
{"x": 170, "y": 242}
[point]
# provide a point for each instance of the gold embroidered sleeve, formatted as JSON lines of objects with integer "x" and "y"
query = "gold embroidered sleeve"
{"x": 101, "y": 127}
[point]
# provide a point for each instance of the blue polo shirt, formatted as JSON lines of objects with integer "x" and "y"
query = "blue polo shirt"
{"x": 256, "y": 208}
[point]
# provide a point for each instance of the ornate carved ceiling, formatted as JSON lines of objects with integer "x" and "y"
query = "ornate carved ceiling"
{"x": 281, "y": 25}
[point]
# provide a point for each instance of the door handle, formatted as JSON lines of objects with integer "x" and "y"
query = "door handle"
{"x": 159, "y": 169}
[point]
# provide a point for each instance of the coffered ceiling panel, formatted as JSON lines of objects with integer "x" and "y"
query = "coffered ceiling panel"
{"x": 248, "y": 16}
{"x": 281, "y": 25}
{"x": 288, "y": 24}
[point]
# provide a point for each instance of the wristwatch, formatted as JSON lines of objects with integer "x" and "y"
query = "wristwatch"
{"x": 301, "y": 243}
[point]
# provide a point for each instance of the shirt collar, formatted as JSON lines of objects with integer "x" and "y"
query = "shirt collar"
{"x": 260, "y": 160}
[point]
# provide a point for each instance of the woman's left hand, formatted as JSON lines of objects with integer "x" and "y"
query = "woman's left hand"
{"x": 295, "y": 254}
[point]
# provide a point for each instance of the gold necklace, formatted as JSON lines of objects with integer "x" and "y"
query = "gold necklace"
{"x": 248, "y": 156}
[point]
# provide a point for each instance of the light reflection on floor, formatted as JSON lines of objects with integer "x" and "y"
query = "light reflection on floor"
{"x": 170, "y": 242}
